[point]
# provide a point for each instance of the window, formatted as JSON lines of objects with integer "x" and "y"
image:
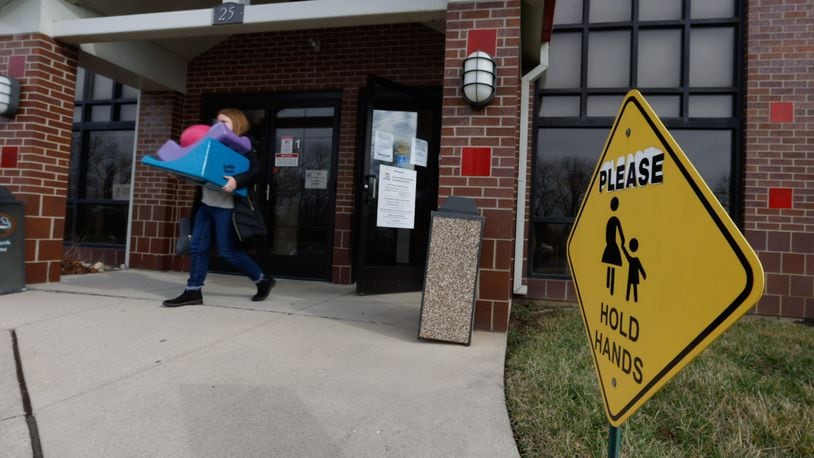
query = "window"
{"x": 101, "y": 161}
{"x": 683, "y": 55}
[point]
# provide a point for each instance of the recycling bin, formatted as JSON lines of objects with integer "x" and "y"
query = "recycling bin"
{"x": 12, "y": 243}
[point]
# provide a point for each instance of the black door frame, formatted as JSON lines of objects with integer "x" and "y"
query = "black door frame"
{"x": 423, "y": 97}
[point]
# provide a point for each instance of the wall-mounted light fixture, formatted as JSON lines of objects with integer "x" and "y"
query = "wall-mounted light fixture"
{"x": 9, "y": 95}
{"x": 479, "y": 79}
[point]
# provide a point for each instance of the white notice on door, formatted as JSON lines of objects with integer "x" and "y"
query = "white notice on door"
{"x": 287, "y": 144}
{"x": 383, "y": 146}
{"x": 396, "y": 197}
{"x": 286, "y": 159}
{"x": 419, "y": 156}
{"x": 316, "y": 179}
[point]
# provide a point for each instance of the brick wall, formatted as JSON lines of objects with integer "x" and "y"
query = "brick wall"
{"x": 495, "y": 126}
{"x": 780, "y": 151}
{"x": 159, "y": 199}
{"x": 39, "y": 139}
{"x": 410, "y": 54}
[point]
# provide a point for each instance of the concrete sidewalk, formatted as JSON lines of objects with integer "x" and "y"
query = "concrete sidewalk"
{"x": 315, "y": 370}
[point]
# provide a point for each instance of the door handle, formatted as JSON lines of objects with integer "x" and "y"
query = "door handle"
{"x": 370, "y": 183}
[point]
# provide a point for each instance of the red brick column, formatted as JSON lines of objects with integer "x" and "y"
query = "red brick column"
{"x": 36, "y": 144}
{"x": 495, "y": 127}
{"x": 159, "y": 199}
{"x": 779, "y": 159}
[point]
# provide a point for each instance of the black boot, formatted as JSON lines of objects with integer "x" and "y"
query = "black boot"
{"x": 263, "y": 288}
{"x": 188, "y": 297}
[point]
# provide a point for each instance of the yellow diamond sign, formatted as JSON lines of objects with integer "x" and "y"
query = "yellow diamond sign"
{"x": 659, "y": 267}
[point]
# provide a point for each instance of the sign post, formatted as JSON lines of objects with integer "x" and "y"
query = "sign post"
{"x": 659, "y": 267}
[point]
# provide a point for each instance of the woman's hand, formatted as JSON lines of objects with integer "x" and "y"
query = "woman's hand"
{"x": 230, "y": 185}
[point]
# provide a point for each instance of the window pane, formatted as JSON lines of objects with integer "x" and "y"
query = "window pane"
{"x": 604, "y": 105}
{"x": 101, "y": 224}
{"x": 320, "y": 112}
{"x": 100, "y": 113}
{"x": 80, "y": 83}
{"x": 291, "y": 113}
{"x": 569, "y": 12}
{"x": 565, "y": 161}
{"x": 659, "y": 58}
{"x": 550, "y": 243}
{"x": 710, "y": 106}
{"x": 127, "y": 112}
{"x": 710, "y": 151}
{"x": 659, "y": 10}
{"x": 666, "y": 106}
{"x": 706, "y": 9}
{"x": 129, "y": 92}
{"x": 609, "y": 10}
{"x": 109, "y": 162}
{"x": 77, "y": 114}
{"x": 302, "y": 210}
{"x": 608, "y": 59}
{"x": 712, "y": 56}
{"x": 102, "y": 87}
{"x": 553, "y": 106}
{"x": 73, "y": 171}
{"x": 565, "y": 61}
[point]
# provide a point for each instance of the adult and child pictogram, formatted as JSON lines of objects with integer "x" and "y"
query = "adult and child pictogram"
{"x": 612, "y": 255}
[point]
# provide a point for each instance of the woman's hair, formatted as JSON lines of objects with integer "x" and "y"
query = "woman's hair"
{"x": 240, "y": 124}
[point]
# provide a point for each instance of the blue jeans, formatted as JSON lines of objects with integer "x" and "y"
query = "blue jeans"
{"x": 209, "y": 220}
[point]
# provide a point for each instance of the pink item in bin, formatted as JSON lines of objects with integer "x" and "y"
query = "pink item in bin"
{"x": 171, "y": 150}
{"x": 192, "y": 134}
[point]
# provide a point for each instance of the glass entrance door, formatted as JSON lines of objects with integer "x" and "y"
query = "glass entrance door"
{"x": 296, "y": 138}
{"x": 398, "y": 186}
{"x": 302, "y": 177}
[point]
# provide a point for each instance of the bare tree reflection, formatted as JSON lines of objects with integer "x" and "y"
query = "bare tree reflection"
{"x": 300, "y": 214}
{"x": 108, "y": 164}
{"x": 560, "y": 185}
{"x": 721, "y": 191}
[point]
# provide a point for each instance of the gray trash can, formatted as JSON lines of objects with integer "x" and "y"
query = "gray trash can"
{"x": 451, "y": 278}
{"x": 12, "y": 243}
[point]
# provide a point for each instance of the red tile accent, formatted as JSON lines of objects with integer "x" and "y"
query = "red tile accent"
{"x": 780, "y": 197}
{"x": 482, "y": 40}
{"x": 781, "y": 112}
{"x": 476, "y": 162}
{"x": 8, "y": 157}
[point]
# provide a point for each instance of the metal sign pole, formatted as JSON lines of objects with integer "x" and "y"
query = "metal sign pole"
{"x": 614, "y": 441}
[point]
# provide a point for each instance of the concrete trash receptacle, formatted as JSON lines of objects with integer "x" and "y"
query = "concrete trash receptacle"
{"x": 451, "y": 278}
{"x": 12, "y": 243}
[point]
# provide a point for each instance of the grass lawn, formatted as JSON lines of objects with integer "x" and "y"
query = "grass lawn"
{"x": 751, "y": 393}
